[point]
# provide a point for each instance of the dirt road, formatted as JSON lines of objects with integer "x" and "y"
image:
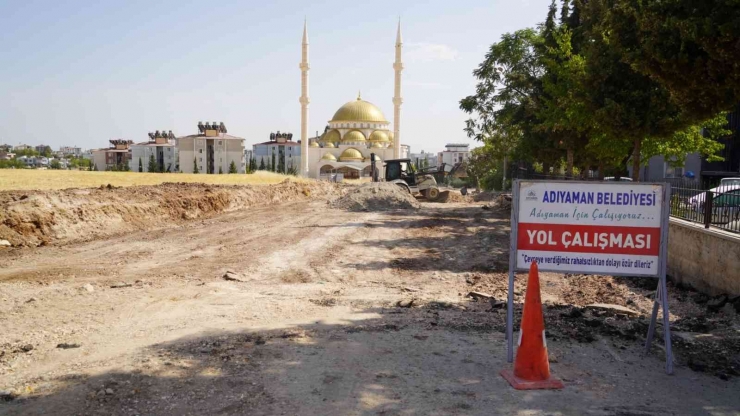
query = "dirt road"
{"x": 145, "y": 323}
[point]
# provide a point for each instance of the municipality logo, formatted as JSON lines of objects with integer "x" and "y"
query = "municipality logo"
{"x": 531, "y": 195}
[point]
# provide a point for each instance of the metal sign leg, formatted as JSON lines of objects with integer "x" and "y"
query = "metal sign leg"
{"x": 510, "y": 319}
{"x": 661, "y": 299}
{"x": 653, "y": 318}
{"x": 666, "y": 327}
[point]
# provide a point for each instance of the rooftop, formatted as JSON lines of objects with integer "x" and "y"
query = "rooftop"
{"x": 220, "y": 136}
{"x": 285, "y": 143}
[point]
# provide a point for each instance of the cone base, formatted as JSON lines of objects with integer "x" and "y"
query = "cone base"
{"x": 553, "y": 383}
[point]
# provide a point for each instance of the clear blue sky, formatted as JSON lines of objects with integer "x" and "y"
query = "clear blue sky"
{"x": 83, "y": 72}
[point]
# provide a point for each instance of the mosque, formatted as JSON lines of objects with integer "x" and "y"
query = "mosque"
{"x": 357, "y": 129}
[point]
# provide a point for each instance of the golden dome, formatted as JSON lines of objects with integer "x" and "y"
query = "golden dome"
{"x": 353, "y": 136}
{"x": 331, "y": 136}
{"x": 351, "y": 155}
{"x": 314, "y": 144}
{"x": 376, "y": 145}
{"x": 329, "y": 145}
{"x": 329, "y": 156}
{"x": 379, "y": 136}
{"x": 359, "y": 110}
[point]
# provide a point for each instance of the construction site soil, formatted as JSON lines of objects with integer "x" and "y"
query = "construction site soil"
{"x": 287, "y": 299}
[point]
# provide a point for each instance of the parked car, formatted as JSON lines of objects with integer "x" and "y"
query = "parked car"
{"x": 621, "y": 179}
{"x": 729, "y": 182}
{"x": 726, "y": 207}
{"x": 697, "y": 202}
{"x": 725, "y": 204}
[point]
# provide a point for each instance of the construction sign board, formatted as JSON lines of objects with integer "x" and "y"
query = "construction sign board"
{"x": 590, "y": 227}
{"x": 603, "y": 228}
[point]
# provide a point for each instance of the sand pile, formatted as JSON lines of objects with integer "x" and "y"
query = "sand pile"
{"x": 376, "y": 197}
{"x": 454, "y": 196}
{"x": 33, "y": 218}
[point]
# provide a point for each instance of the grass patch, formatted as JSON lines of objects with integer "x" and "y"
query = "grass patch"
{"x": 30, "y": 179}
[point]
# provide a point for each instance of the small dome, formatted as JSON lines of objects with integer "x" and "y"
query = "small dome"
{"x": 359, "y": 110}
{"x": 314, "y": 144}
{"x": 329, "y": 156}
{"x": 379, "y": 136}
{"x": 376, "y": 145}
{"x": 353, "y": 136}
{"x": 331, "y": 136}
{"x": 351, "y": 155}
{"x": 329, "y": 145}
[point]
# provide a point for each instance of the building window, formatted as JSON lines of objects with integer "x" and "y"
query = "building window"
{"x": 219, "y": 142}
{"x": 672, "y": 172}
{"x": 200, "y": 150}
{"x": 201, "y": 160}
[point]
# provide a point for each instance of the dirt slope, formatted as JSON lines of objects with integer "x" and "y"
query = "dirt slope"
{"x": 35, "y": 218}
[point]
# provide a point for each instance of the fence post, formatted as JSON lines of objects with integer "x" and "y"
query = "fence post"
{"x": 708, "y": 209}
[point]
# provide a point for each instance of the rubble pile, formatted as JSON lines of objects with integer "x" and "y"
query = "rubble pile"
{"x": 376, "y": 197}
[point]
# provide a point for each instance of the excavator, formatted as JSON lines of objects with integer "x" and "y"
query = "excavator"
{"x": 415, "y": 181}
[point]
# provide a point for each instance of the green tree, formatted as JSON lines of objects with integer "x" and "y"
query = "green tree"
{"x": 564, "y": 95}
{"x": 195, "y": 165}
{"x": 505, "y": 106}
{"x": 141, "y": 167}
{"x": 55, "y": 164}
{"x": 26, "y": 152}
{"x": 281, "y": 163}
{"x": 262, "y": 164}
{"x": 232, "y": 167}
{"x": 689, "y": 47}
{"x": 292, "y": 170}
{"x": 273, "y": 167}
{"x": 11, "y": 164}
{"x": 700, "y": 138}
{"x": 629, "y": 107}
{"x": 152, "y": 167}
{"x": 220, "y": 171}
{"x": 47, "y": 151}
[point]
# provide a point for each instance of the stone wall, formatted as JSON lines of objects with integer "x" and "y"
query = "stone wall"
{"x": 707, "y": 260}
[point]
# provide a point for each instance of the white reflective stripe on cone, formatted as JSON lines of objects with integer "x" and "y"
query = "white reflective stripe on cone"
{"x": 544, "y": 340}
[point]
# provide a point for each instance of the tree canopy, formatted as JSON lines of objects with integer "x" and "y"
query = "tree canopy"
{"x": 603, "y": 82}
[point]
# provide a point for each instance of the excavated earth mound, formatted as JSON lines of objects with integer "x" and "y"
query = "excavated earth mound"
{"x": 376, "y": 197}
{"x": 33, "y": 218}
{"x": 454, "y": 196}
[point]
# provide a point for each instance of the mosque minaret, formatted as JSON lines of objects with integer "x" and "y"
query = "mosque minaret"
{"x": 397, "y": 100}
{"x": 304, "y": 101}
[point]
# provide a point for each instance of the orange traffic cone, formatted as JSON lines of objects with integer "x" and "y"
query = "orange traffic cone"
{"x": 531, "y": 367}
